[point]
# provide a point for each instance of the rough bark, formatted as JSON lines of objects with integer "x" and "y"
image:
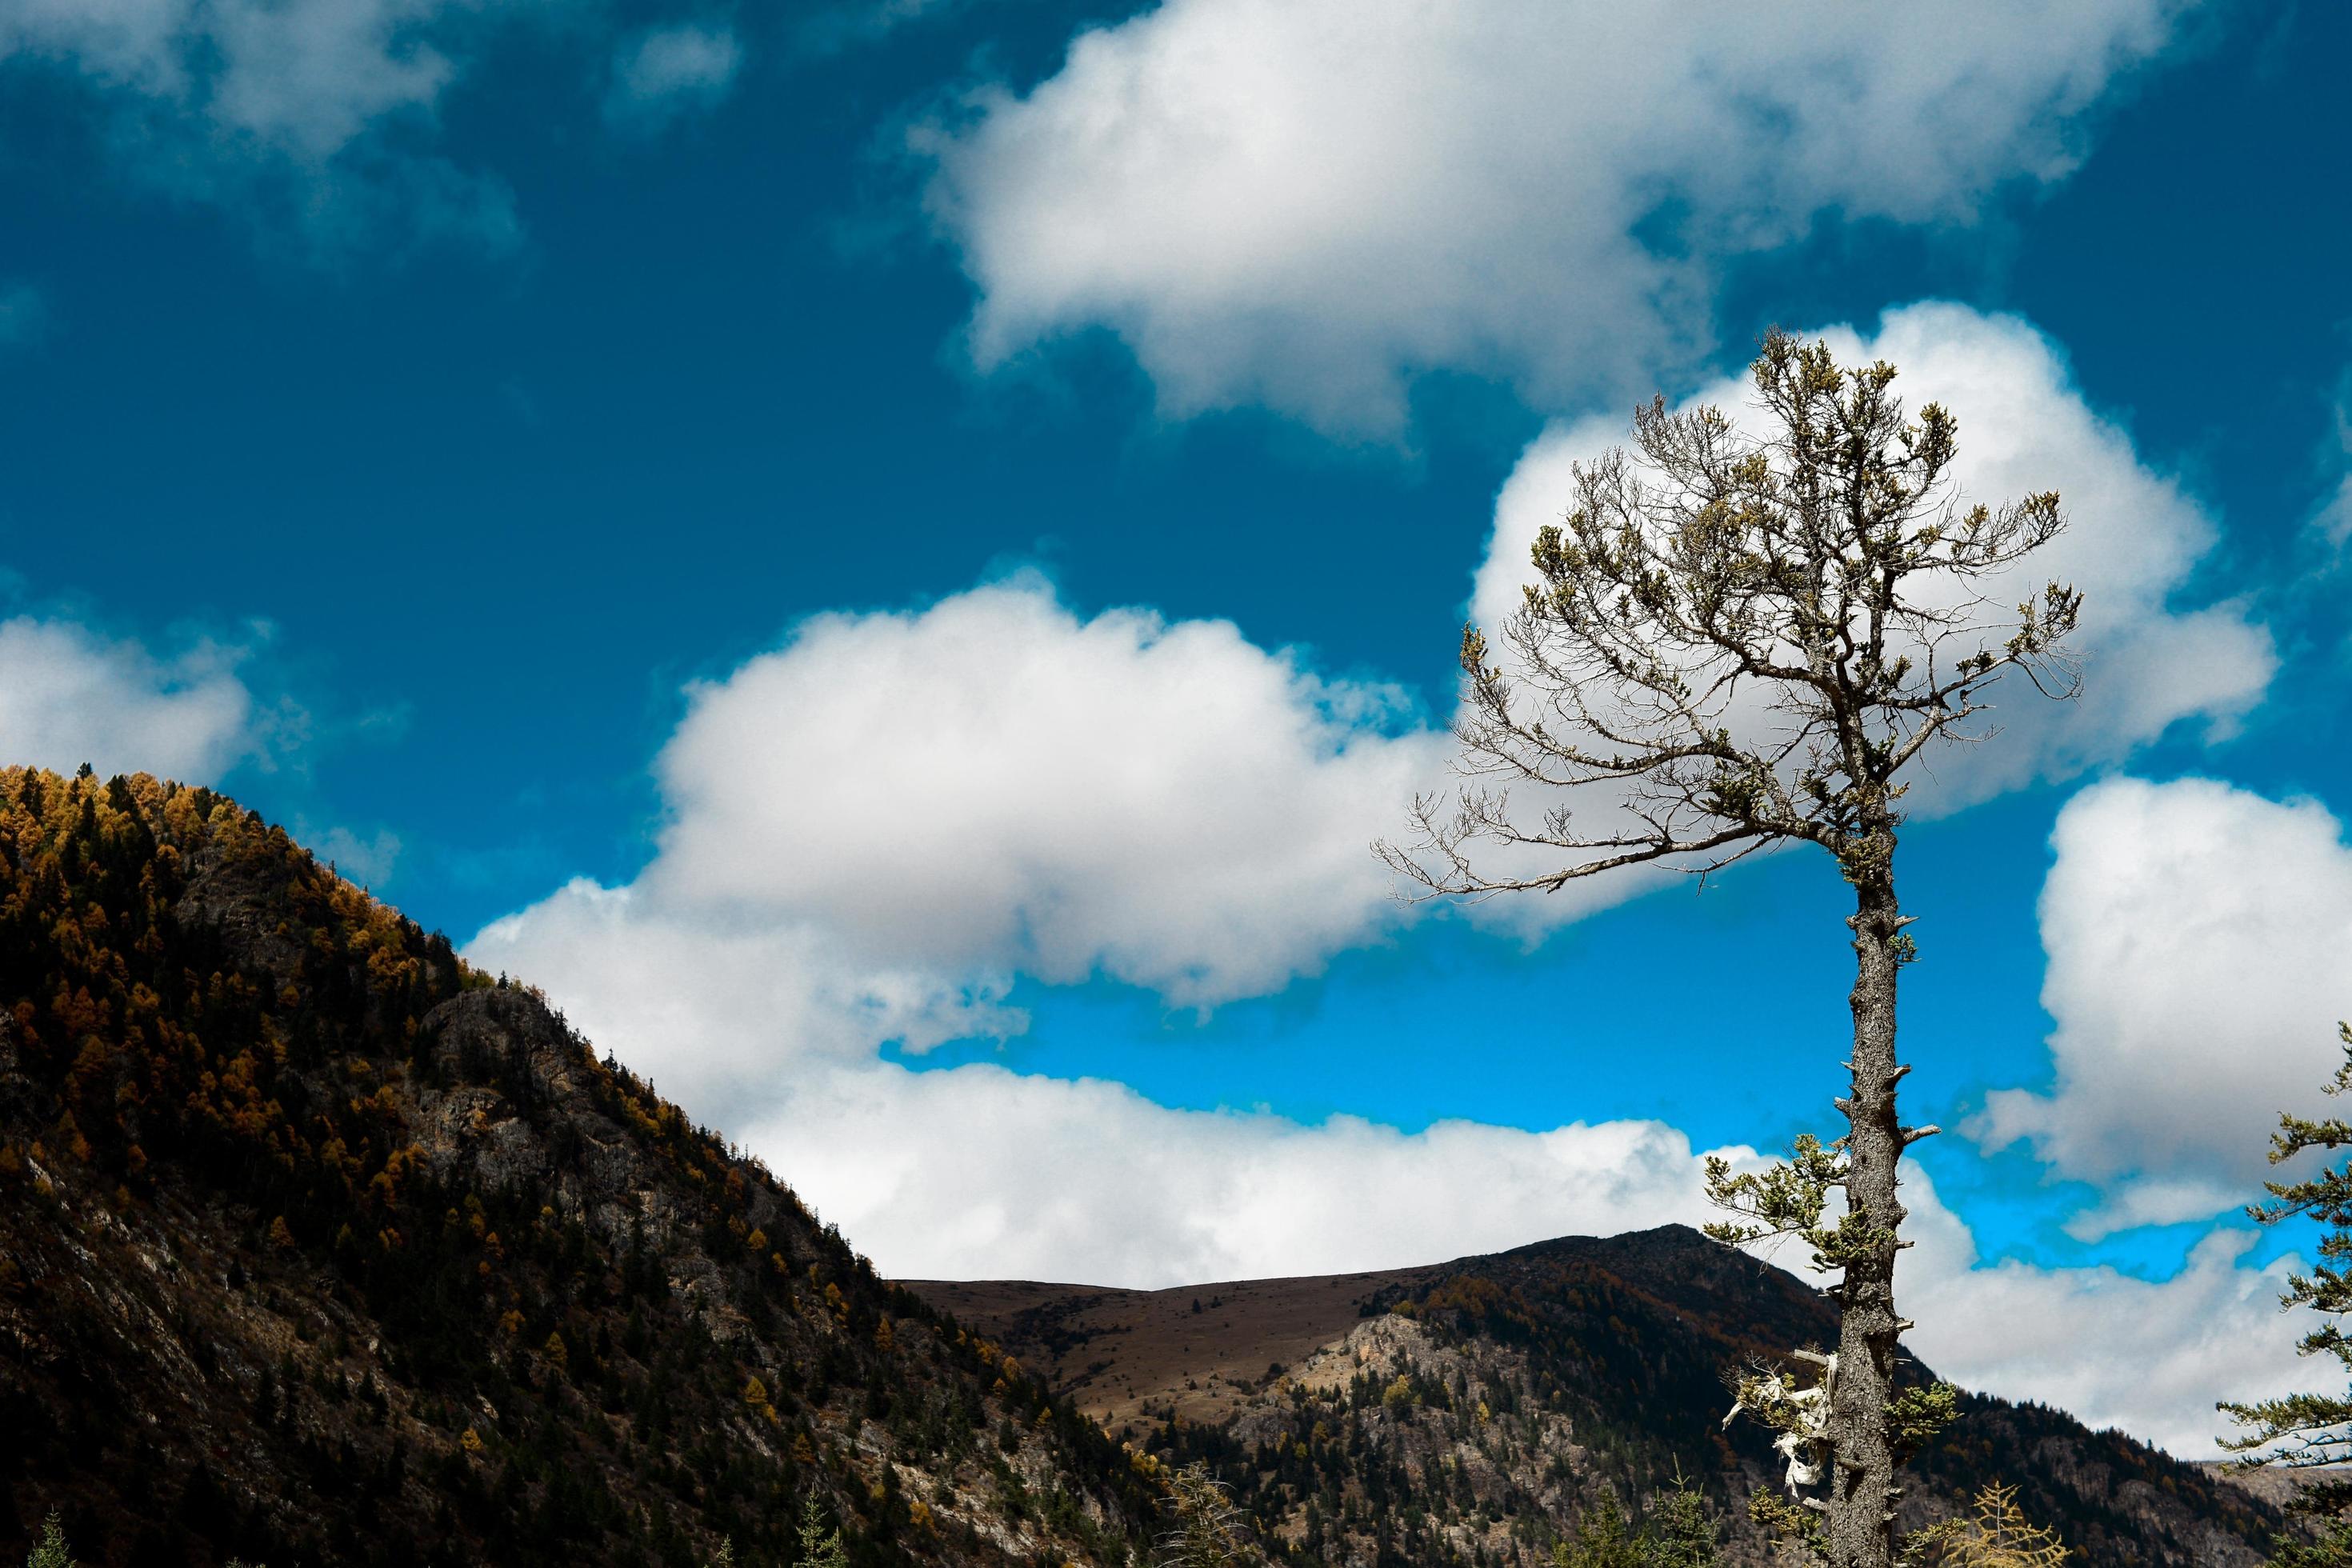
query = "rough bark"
{"x": 1862, "y": 1492}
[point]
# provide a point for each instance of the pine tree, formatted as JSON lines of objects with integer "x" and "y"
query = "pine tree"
{"x": 2298, "y": 1431}
{"x": 1735, "y": 641}
{"x": 1679, "y": 1534}
{"x": 51, "y": 1552}
{"x": 1603, "y": 1540}
{"x": 1205, "y": 1528}
{"x": 1681, "y": 1530}
{"x": 820, "y": 1546}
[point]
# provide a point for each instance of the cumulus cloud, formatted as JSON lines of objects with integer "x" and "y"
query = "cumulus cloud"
{"x": 2134, "y": 540}
{"x": 723, "y": 1012}
{"x": 874, "y": 826}
{"x": 2150, "y": 1356}
{"x": 1305, "y": 204}
{"x": 69, "y": 696}
{"x": 2199, "y": 940}
{"x": 995, "y": 784}
{"x": 667, "y": 72}
{"x": 976, "y": 1172}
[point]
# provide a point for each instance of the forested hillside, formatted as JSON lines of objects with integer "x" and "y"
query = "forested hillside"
{"x": 1485, "y": 1411}
{"x": 317, "y": 1247}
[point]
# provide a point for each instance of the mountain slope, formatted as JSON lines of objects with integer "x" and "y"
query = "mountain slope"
{"x": 1476, "y": 1412}
{"x": 317, "y": 1247}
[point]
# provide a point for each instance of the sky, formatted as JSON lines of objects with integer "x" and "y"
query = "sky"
{"x": 896, "y": 558}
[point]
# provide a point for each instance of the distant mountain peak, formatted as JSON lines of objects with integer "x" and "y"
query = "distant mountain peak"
{"x": 1469, "y": 1408}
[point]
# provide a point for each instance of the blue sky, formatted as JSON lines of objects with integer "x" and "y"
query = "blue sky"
{"x": 405, "y": 417}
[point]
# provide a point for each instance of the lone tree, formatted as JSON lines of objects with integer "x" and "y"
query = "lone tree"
{"x": 2298, "y": 1431}
{"x": 1739, "y": 640}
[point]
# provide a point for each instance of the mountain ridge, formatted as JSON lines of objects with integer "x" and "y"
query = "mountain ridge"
{"x": 318, "y": 1246}
{"x": 1556, "y": 1376}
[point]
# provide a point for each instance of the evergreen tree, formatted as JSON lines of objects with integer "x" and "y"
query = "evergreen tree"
{"x": 1205, "y": 1530}
{"x": 1681, "y": 1530}
{"x": 52, "y": 1552}
{"x": 1735, "y": 641}
{"x": 820, "y": 1544}
{"x": 1603, "y": 1540}
{"x": 2298, "y": 1431}
{"x": 1679, "y": 1534}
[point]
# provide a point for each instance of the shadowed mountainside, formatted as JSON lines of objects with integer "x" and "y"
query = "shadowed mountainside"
{"x": 317, "y": 1247}
{"x": 1476, "y": 1411}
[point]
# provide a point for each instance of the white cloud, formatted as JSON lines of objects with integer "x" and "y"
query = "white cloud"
{"x": 873, "y": 827}
{"x": 2148, "y": 1356}
{"x": 2133, "y": 542}
{"x": 994, "y": 783}
{"x": 978, "y": 1172}
{"x": 670, "y": 71}
{"x": 1305, "y": 204}
{"x": 719, "y": 1010}
{"x": 368, "y": 860}
{"x": 2199, "y": 938}
{"x": 312, "y": 114}
{"x": 69, "y": 696}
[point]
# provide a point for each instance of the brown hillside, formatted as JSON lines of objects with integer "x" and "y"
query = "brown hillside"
{"x": 1126, "y": 1357}
{"x": 1478, "y": 1411}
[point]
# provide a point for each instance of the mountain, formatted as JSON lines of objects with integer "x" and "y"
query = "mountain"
{"x": 318, "y": 1246}
{"x": 1477, "y": 1412}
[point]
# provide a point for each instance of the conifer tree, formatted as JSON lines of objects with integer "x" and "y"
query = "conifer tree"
{"x": 1681, "y": 1532}
{"x": 1735, "y": 641}
{"x": 1205, "y": 1529}
{"x": 1602, "y": 1539}
{"x": 820, "y": 1547}
{"x": 52, "y": 1552}
{"x": 2298, "y": 1431}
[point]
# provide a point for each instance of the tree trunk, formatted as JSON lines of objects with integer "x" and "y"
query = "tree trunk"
{"x": 1861, "y": 1490}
